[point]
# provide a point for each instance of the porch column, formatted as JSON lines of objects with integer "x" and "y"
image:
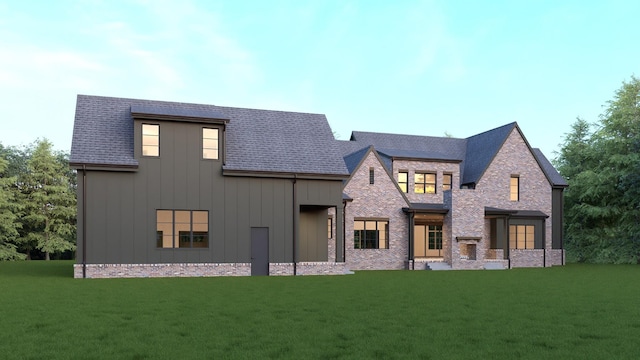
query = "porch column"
{"x": 339, "y": 238}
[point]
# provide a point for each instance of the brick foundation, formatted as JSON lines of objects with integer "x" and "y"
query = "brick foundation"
{"x": 103, "y": 271}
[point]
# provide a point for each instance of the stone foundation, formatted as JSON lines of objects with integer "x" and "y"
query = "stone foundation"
{"x": 526, "y": 258}
{"x": 102, "y": 271}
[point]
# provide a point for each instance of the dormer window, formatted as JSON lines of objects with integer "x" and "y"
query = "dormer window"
{"x": 150, "y": 140}
{"x": 210, "y": 143}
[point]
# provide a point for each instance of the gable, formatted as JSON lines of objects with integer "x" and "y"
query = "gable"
{"x": 384, "y": 188}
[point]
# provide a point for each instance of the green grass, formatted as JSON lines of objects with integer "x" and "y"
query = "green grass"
{"x": 572, "y": 312}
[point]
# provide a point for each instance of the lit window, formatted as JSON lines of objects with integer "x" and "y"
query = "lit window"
{"x": 182, "y": 229}
{"x": 403, "y": 181}
{"x": 514, "y": 188}
{"x": 446, "y": 181}
{"x": 150, "y": 140}
{"x": 370, "y": 234}
{"x": 521, "y": 236}
{"x": 210, "y": 143}
{"x": 425, "y": 183}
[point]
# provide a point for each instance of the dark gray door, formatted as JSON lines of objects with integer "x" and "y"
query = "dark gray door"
{"x": 259, "y": 251}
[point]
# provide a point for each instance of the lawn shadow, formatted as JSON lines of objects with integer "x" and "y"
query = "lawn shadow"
{"x": 37, "y": 268}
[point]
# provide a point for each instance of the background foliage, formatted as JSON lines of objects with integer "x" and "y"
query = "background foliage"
{"x": 37, "y": 203}
{"x": 601, "y": 162}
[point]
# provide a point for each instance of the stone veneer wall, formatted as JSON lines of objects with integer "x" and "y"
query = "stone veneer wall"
{"x": 526, "y": 258}
{"x": 555, "y": 257}
{"x": 96, "y": 271}
{"x": 439, "y": 168}
{"x": 467, "y": 228}
{"x": 101, "y": 271}
{"x": 514, "y": 158}
{"x": 381, "y": 200}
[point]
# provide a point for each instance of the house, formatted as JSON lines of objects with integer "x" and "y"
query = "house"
{"x": 178, "y": 189}
{"x": 175, "y": 189}
{"x": 489, "y": 201}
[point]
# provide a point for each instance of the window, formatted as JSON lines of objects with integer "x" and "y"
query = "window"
{"x": 182, "y": 229}
{"x": 370, "y": 234}
{"x": 403, "y": 181}
{"x": 371, "y": 176}
{"x": 514, "y": 188}
{"x": 330, "y": 227}
{"x": 150, "y": 140}
{"x": 425, "y": 183}
{"x": 210, "y": 143}
{"x": 446, "y": 181}
{"x": 521, "y": 236}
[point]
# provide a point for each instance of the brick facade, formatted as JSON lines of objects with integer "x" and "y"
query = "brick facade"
{"x": 466, "y": 229}
{"x": 381, "y": 200}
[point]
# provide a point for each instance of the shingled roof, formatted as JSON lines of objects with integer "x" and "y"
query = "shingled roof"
{"x": 256, "y": 140}
{"x": 481, "y": 149}
{"x": 475, "y": 152}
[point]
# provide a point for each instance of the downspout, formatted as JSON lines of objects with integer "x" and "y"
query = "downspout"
{"x": 344, "y": 231}
{"x": 506, "y": 246}
{"x": 294, "y": 224}
{"x": 84, "y": 221}
{"x": 544, "y": 244}
{"x": 411, "y": 235}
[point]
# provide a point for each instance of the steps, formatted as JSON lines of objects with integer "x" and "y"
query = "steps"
{"x": 438, "y": 265}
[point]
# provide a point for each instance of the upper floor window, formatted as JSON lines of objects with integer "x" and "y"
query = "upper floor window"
{"x": 514, "y": 188}
{"x": 371, "y": 176}
{"x": 182, "y": 229}
{"x": 403, "y": 181}
{"x": 210, "y": 143}
{"x": 425, "y": 183}
{"x": 150, "y": 140}
{"x": 446, "y": 181}
{"x": 521, "y": 236}
{"x": 370, "y": 234}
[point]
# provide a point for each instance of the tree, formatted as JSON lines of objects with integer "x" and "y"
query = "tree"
{"x": 602, "y": 203}
{"x": 49, "y": 203}
{"x": 9, "y": 224}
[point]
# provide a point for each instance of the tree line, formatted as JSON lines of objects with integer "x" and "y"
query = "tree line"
{"x": 600, "y": 161}
{"x": 37, "y": 203}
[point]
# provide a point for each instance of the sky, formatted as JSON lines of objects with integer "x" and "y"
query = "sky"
{"x": 410, "y": 67}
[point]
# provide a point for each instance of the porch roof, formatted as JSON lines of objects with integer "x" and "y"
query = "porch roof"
{"x": 515, "y": 213}
{"x": 426, "y": 208}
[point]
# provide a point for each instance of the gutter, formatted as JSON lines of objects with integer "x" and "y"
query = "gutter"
{"x": 293, "y": 235}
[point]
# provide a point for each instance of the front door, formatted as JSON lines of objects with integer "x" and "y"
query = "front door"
{"x": 259, "y": 251}
{"x": 427, "y": 241}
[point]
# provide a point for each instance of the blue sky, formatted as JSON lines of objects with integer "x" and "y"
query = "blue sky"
{"x": 411, "y": 67}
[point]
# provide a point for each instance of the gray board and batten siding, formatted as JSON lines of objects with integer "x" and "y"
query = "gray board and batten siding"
{"x": 121, "y": 189}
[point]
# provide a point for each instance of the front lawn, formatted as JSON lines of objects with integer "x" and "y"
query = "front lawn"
{"x": 571, "y": 312}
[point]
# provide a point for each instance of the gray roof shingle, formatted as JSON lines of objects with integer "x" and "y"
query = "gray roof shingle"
{"x": 475, "y": 152}
{"x": 552, "y": 174}
{"x": 256, "y": 140}
{"x": 481, "y": 149}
